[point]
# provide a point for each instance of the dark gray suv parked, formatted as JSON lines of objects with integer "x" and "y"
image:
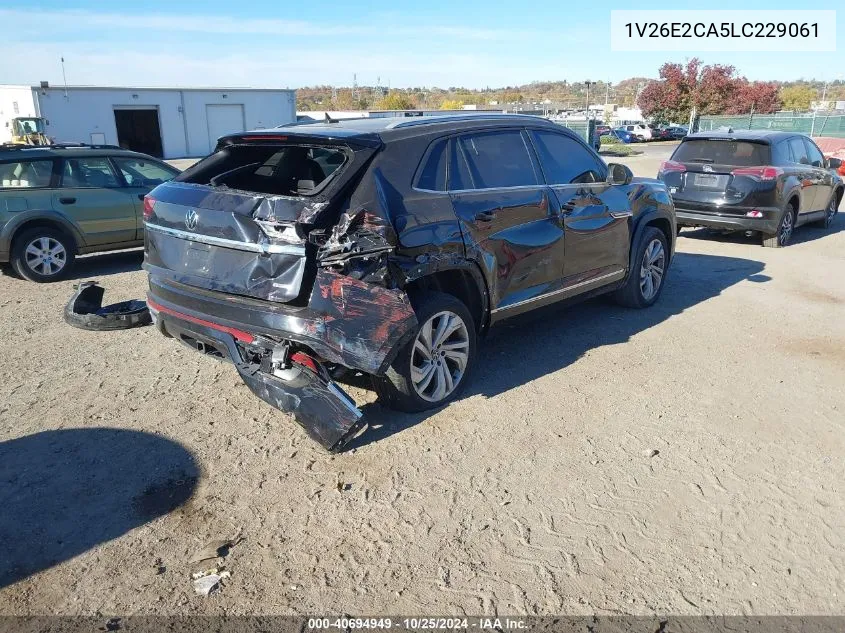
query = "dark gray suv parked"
{"x": 767, "y": 182}
{"x": 386, "y": 246}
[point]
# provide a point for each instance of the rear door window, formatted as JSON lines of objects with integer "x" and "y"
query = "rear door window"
{"x": 566, "y": 161}
{"x": 93, "y": 172}
{"x": 26, "y": 174}
{"x": 496, "y": 159}
{"x": 433, "y": 168}
{"x": 723, "y": 152}
{"x": 780, "y": 153}
{"x": 799, "y": 150}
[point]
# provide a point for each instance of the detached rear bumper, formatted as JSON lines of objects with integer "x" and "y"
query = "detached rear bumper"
{"x": 325, "y": 411}
{"x": 730, "y": 222}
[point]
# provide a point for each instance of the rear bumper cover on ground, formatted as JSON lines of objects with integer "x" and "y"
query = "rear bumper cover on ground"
{"x": 729, "y": 222}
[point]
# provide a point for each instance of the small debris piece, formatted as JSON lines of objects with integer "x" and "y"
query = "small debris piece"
{"x": 651, "y": 452}
{"x": 207, "y": 572}
{"x": 216, "y": 549}
{"x": 160, "y": 568}
{"x": 206, "y": 584}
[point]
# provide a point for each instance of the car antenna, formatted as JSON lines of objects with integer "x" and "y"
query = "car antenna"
{"x": 329, "y": 119}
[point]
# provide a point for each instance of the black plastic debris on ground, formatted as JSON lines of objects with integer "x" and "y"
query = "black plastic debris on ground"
{"x": 85, "y": 310}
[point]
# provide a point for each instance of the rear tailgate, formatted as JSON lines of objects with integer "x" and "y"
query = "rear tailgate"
{"x": 234, "y": 224}
{"x": 704, "y": 171}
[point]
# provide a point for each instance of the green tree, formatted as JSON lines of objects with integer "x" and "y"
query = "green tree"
{"x": 797, "y": 97}
{"x": 395, "y": 100}
{"x": 451, "y": 104}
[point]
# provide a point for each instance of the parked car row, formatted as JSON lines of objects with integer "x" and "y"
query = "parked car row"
{"x": 639, "y": 133}
{"x": 386, "y": 247}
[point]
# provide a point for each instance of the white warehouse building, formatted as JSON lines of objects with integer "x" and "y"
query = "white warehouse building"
{"x": 163, "y": 122}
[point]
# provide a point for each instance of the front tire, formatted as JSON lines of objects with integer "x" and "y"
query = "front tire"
{"x": 785, "y": 230}
{"x": 42, "y": 254}
{"x": 434, "y": 366}
{"x": 645, "y": 280}
{"x": 829, "y": 214}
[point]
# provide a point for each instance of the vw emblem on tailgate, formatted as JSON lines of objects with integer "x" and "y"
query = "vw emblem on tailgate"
{"x": 191, "y": 219}
{"x": 705, "y": 168}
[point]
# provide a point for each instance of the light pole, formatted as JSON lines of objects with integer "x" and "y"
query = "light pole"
{"x": 588, "y": 84}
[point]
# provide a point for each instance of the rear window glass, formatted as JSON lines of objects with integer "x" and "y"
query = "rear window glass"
{"x": 26, "y": 174}
{"x": 433, "y": 169}
{"x": 290, "y": 170}
{"x": 722, "y": 152}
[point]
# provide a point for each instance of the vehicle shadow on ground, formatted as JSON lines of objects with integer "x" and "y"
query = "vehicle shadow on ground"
{"x": 104, "y": 264}
{"x": 801, "y": 235}
{"x": 543, "y": 341}
{"x": 99, "y": 265}
{"x": 63, "y": 492}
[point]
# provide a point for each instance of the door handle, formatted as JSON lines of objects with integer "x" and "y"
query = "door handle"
{"x": 485, "y": 216}
{"x": 67, "y": 200}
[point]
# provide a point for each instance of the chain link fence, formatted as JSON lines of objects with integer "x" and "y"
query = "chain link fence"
{"x": 811, "y": 125}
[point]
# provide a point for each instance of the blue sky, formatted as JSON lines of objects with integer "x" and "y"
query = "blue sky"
{"x": 263, "y": 43}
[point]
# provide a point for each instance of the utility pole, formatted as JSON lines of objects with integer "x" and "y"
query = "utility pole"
{"x": 64, "y": 77}
{"x": 588, "y": 84}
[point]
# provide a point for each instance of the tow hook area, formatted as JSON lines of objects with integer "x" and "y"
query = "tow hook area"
{"x": 299, "y": 384}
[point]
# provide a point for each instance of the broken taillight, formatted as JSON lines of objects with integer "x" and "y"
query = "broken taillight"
{"x": 758, "y": 173}
{"x": 305, "y": 360}
{"x": 149, "y": 207}
{"x": 671, "y": 165}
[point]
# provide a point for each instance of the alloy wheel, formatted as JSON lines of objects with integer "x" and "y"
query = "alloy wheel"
{"x": 786, "y": 226}
{"x": 439, "y": 356}
{"x": 652, "y": 269}
{"x": 45, "y": 256}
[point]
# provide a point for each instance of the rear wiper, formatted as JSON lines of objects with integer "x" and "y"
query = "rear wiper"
{"x": 700, "y": 160}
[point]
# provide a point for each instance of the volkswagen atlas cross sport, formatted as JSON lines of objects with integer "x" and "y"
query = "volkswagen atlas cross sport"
{"x": 59, "y": 201}
{"x": 385, "y": 247}
{"x": 765, "y": 182}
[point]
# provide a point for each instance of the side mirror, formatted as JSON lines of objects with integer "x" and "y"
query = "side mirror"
{"x": 834, "y": 163}
{"x": 618, "y": 174}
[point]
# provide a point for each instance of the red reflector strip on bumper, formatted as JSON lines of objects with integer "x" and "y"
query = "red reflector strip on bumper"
{"x": 244, "y": 337}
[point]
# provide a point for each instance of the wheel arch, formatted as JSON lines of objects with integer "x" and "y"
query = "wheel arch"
{"x": 49, "y": 220}
{"x": 461, "y": 280}
{"x": 659, "y": 219}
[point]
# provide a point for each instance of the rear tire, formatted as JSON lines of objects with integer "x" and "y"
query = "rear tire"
{"x": 43, "y": 254}
{"x": 648, "y": 274}
{"x": 431, "y": 370}
{"x": 786, "y": 228}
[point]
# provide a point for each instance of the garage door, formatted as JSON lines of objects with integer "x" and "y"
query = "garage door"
{"x": 223, "y": 120}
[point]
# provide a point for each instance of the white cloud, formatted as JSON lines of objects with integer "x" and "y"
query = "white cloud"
{"x": 37, "y": 22}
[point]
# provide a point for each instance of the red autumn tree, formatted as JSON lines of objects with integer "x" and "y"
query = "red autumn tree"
{"x": 712, "y": 89}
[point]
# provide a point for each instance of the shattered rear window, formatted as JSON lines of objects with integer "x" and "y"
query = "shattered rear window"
{"x": 289, "y": 170}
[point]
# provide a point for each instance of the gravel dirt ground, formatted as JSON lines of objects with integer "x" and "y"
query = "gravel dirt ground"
{"x": 685, "y": 459}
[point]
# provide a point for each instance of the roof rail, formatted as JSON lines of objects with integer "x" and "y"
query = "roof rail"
{"x": 432, "y": 119}
{"x": 8, "y": 146}
{"x": 81, "y": 145}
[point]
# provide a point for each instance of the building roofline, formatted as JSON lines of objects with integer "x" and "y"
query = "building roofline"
{"x": 159, "y": 88}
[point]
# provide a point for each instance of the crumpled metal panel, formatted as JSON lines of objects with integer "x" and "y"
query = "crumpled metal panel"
{"x": 321, "y": 408}
{"x": 270, "y": 276}
{"x": 364, "y": 322}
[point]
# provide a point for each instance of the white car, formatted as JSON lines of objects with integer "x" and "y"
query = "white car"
{"x": 640, "y": 130}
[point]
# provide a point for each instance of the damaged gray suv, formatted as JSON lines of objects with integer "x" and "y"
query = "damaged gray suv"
{"x": 386, "y": 247}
